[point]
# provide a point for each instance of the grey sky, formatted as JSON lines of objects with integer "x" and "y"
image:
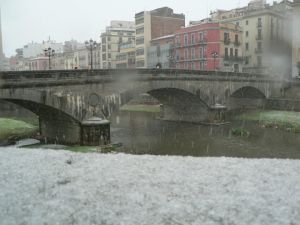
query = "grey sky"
{"x": 24, "y": 21}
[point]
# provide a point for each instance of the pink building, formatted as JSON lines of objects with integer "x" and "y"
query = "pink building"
{"x": 209, "y": 46}
{"x": 39, "y": 63}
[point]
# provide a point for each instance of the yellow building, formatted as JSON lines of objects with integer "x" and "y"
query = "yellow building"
{"x": 266, "y": 45}
{"x": 296, "y": 38}
{"x": 126, "y": 58}
{"x": 116, "y": 34}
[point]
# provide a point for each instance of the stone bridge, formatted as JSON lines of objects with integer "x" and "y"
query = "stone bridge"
{"x": 65, "y": 101}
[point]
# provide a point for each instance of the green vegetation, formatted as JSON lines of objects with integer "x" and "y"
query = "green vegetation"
{"x": 141, "y": 108}
{"x": 240, "y": 132}
{"x": 11, "y": 129}
{"x": 289, "y": 121}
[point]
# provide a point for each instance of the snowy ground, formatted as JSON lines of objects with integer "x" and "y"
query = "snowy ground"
{"x": 39, "y": 187}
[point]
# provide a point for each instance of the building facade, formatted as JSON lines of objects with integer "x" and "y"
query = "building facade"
{"x": 161, "y": 52}
{"x": 39, "y": 63}
{"x": 209, "y": 46}
{"x": 33, "y": 49}
{"x": 296, "y": 39}
{"x": 266, "y": 35}
{"x": 126, "y": 57}
{"x": 116, "y": 34}
{"x": 153, "y": 24}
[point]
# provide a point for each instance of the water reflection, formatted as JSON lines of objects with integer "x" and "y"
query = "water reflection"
{"x": 142, "y": 133}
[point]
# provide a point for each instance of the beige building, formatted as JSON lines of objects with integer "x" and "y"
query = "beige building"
{"x": 296, "y": 38}
{"x": 153, "y": 24}
{"x": 82, "y": 59}
{"x": 118, "y": 33}
{"x": 126, "y": 57}
{"x": 266, "y": 46}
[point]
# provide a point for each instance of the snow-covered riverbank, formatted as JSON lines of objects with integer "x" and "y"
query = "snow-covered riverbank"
{"x": 60, "y": 187}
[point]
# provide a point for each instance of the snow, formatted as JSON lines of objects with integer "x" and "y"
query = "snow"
{"x": 59, "y": 187}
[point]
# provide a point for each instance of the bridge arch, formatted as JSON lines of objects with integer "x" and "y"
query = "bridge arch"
{"x": 246, "y": 97}
{"x": 55, "y": 126}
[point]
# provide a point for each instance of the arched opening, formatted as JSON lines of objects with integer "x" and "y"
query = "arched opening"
{"x": 55, "y": 126}
{"x": 247, "y": 98}
{"x": 180, "y": 105}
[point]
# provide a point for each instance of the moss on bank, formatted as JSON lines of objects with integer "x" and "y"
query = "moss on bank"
{"x": 289, "y": 121}
{"x": 15, "y": 129}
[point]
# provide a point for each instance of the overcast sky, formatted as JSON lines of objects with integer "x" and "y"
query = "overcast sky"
{"x": 24, "y": 21}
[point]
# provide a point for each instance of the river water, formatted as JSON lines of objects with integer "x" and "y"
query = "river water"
{"x": 143, "y": 133}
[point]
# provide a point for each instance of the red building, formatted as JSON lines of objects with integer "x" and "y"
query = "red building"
{"x": 209, "y": 46}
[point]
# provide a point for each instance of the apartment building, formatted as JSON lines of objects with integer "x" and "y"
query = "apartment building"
{"x": 209, "y": 46}
{"x": 82, "y": 59}
{"x": 296, "y": 38}
{"x": 116, "y": 34}
{"x": 153, "y": 24}
{"x": 161, "y": 52}
{"x": 126, "y": 57}
{"x": 266, "y": 35}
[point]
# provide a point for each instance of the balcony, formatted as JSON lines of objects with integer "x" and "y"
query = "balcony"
{"x": 202, "y": 41}
{"x": 227, "y": 41}
{"x": 177, "y": 45}
{"x": 258, "y": 50}
{"x": 259, "y": 25}
{"x": 233, "y": 58}
{"x": 237, "y": 43}
{"x": 259, "y": 38}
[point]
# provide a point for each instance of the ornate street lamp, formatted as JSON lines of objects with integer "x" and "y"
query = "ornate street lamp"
{"x": 49, "y": 52}
{"x": 214, "y": 55}
{"x": 91, "y": 45}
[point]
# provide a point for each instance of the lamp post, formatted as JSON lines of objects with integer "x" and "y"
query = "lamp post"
{"x": 91, "y": 45}
{"x": 214, "y": 55}
{"x": 49, "y": 52}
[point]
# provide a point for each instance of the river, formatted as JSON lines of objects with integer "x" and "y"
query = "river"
{"x": 143, "y": 133}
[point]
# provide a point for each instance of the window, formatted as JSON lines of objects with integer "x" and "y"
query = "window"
{"x": 186, "y": 41}
{"x": 193, "y": 38}
{"x": 139, "y": 51}
{"x": 139, "y": 40}
{"x": 103, "y": 56}
{"x": 231, "y": 52}
{"x": 247, "y": 22}
{"x": 247, "y": 60}
{"x": 139, "y": 20}
{"x": 226, "y": 53}
{"x": 201, "y": 36}
{"x": 236, "y": 38}
{"x": 109, "y": 47}
{"x": 177, "y": 56}
{"x": 140, "y": 30}
{"x": 193, "y": 65}
{"x": 202, "y": 65}
{"x": 186, "y": 54}
{"x": 247, "y": 33}
{"x": 247, "y": 46}
{"x": 193, "y": 53}
{"x": 201, "y": 52}
{"x": 236, "y": 53}
{"x": 140, "y": 63}
{"x": 109, "y": 55}
{"x": 259, "y": 61}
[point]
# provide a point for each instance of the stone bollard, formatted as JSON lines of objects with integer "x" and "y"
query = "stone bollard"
{"x": 95, "y": 131}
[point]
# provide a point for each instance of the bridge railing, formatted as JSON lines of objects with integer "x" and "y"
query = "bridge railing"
{"x": 65, "y": 74}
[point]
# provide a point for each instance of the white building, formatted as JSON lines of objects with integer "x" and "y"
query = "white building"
{"x": 35, "y": 49}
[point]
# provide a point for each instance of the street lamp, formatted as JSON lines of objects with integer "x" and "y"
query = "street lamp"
{"x": 214, "y": 55}
{"x": 91, "y": 45}
{"x": 49, "y": 52}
